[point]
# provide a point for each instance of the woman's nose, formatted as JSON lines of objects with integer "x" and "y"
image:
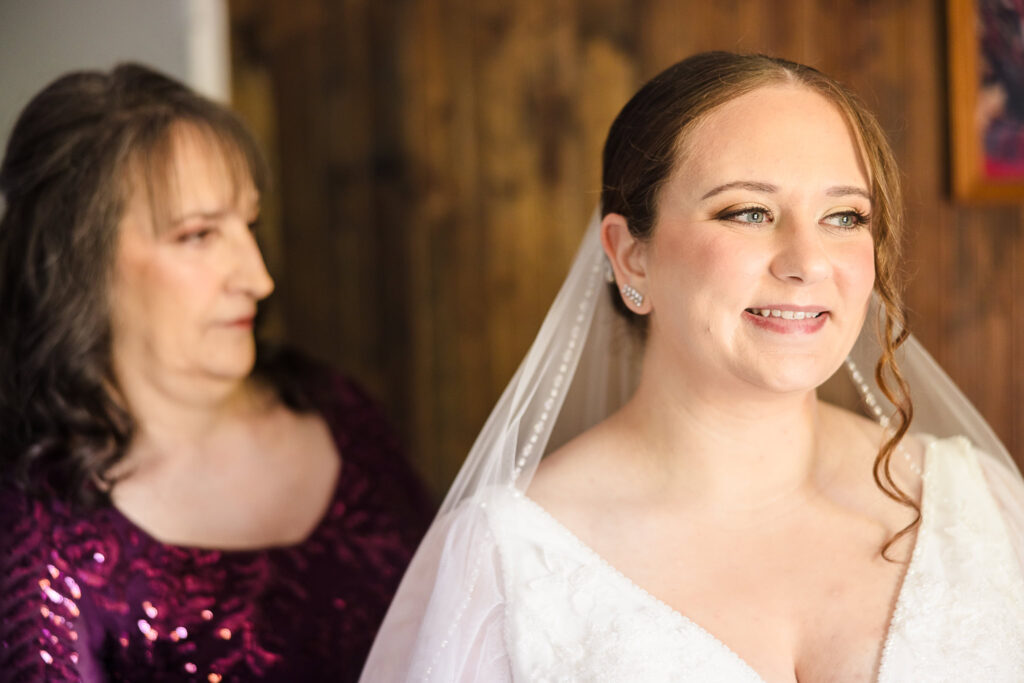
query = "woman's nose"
{"x": 801, "y": 257}
{"x": 251, "y": 275}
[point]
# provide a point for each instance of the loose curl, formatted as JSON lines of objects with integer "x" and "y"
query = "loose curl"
{"x": 649, "y": 136}
{"x": 77, "y": 151}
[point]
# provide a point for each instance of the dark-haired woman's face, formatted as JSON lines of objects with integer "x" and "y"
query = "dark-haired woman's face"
{"x": 184, "y": 293}
{"x": 761, "y": 263}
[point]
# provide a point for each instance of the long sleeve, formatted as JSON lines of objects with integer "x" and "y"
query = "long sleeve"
{"x": 38, "y": 640}
{"x": 1008, "y": 490}
{"x": 447, "y": 621}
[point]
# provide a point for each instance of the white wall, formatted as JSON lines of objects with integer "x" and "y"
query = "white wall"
{"x": 41, "y": 39}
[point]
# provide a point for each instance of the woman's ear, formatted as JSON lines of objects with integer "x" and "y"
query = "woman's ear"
{"x": 628, "y": 258}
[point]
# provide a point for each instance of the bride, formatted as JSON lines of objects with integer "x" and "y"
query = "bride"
{"x": 700, "y": 513}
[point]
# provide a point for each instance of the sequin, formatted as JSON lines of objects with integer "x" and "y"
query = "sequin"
{"x": 214, "y": 678}
{"x": 160, "y": 606}
{"x": 46, "y": 656}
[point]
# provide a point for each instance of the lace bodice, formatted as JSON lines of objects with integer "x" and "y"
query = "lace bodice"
{"x": 570, "y": 616}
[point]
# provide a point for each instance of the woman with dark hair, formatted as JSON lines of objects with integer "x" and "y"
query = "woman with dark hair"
{"x": 661, "y": 494}
{"x": 166, "y": 511}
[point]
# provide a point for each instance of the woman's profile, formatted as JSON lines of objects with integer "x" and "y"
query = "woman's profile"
{"x": 661, "y": 494}
{"x": 173, "y": 506}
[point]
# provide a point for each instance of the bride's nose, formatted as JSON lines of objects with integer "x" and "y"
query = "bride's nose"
{"x": 800, "y": 256}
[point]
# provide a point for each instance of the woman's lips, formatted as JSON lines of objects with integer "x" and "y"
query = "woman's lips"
{"x": 242, "y": 323}
{"x": 788, "y": 319}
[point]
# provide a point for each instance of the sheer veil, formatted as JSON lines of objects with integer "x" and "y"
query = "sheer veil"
{"x": 582, "y": 366}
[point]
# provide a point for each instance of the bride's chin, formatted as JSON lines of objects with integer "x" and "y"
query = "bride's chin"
{"x": 788, "y": 379}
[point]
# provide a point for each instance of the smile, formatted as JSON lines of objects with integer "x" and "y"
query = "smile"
{"x": 786, "y": 315}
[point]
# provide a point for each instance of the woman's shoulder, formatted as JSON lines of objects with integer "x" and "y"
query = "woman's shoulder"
{"x": 581, "y": 474}
{"x": 304, "y": 382}
{"x": 307, "y": 385}
{"x": 861, "y": 439}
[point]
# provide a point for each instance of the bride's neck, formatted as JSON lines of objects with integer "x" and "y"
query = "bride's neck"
{"x": 727, "y": 448}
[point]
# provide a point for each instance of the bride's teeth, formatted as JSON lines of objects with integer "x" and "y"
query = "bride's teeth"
{"x": 785, "y": 315}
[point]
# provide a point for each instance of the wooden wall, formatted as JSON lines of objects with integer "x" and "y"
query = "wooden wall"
{"x": 438, "y": 159}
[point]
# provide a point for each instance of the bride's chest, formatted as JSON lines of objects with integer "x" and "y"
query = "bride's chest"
{"x": 572, "y": 616}
{"x": 589, "y": 623}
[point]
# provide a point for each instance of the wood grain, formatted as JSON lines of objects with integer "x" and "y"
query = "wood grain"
{"x": 438, "y": 160}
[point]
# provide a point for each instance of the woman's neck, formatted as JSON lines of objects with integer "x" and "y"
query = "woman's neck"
{"x": 738, "y": 451}
{"x": 182, "y": 416}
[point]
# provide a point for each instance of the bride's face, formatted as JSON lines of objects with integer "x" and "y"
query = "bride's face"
{"x": 761, "y": 261}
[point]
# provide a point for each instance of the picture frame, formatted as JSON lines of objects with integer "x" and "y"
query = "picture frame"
{"x": 986, "y": 98}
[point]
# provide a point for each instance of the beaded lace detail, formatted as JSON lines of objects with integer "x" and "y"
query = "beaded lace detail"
{"x": 571, "y": 616}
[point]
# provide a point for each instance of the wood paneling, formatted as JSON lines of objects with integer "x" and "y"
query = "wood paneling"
{"x": 438, "y": 160}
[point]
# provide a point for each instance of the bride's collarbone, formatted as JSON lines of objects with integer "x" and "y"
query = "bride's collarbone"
{"x": 806, "y": 591}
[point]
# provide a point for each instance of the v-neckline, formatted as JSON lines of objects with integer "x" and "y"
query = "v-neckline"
{"x": 678, "y": 616}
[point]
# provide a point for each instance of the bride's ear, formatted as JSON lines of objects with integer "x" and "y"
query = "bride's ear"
{"x": 628, "y": 258}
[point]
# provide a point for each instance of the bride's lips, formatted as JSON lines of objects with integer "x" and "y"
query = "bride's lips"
{"x": 787, "y": 319}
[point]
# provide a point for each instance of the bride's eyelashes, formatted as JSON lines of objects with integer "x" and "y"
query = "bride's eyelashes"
{"x": 747, "y": 214}
{"x": 846, "y": 219}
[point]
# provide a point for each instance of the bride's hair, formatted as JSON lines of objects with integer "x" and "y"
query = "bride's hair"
{"x": 650, "y": 135}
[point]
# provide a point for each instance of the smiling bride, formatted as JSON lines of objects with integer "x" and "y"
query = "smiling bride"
{"x": 663, "y": 494}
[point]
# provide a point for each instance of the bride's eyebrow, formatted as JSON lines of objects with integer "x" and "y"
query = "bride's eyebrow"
{"x": 742, "y": 185}
{"x": 846, "y": 191}
{"x": 767, "y": 188}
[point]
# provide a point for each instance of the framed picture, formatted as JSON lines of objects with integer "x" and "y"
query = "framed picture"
{"x": 986, "y": 64}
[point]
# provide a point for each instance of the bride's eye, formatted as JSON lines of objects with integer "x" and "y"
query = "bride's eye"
{"x": 847, "y": 220}
{"x": 750, "y": 214}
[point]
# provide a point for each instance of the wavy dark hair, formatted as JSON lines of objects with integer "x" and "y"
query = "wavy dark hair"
{"x": 77, "y": 151}
{"x": 645, "y": 143}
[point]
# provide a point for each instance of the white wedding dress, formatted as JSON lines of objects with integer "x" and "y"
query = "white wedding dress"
{"x": 500, "y": 591}
{"x": 543, "y": 606}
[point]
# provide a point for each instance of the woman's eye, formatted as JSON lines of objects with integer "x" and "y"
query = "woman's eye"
{"x": 751, "y": 215}
{"x": 847, "y": 219}
{"x": 195, "y": 236}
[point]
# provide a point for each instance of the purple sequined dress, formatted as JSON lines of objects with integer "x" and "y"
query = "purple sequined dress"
{"x": 94, "y": 598}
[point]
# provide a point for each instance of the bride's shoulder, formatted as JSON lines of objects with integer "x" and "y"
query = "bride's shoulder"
{"x": 860, "y": 438}
{"x": 581, "y": 471}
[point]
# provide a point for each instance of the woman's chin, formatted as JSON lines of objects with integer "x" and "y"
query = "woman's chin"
{"x": 791, "y": 377}
{"x": 233, "y": 366}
